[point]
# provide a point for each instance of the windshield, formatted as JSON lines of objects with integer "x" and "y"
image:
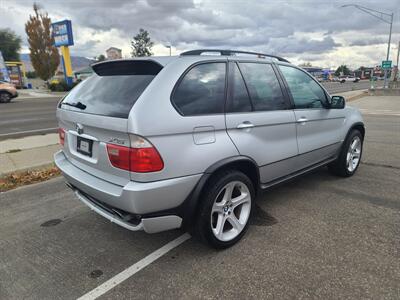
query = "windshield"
{"x": 111, "y": 96}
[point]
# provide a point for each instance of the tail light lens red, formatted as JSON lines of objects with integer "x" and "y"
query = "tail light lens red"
{"x": 145, "y": 160}
{"x": 119, "y": 156}
{"x": 61, "y": 135}
{"x": 142, "y": 157}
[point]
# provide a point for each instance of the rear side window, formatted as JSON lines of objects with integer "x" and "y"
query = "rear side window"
{"x": 201, "y": 90}
{"x": 114, "y": 90}
{"x": 263, "y": 86}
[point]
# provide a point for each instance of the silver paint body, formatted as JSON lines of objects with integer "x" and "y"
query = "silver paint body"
{"x": 279, "y": 142}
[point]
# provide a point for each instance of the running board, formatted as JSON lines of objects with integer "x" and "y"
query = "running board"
{"x": 267, "y": 185}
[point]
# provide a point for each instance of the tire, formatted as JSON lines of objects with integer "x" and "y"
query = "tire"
{"x": 350, "y": 155}
{"x": 5, "y": 97}
{"x": 220, "y": 222}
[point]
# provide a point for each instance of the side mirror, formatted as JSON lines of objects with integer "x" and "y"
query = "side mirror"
{"x": 337, "y": 102}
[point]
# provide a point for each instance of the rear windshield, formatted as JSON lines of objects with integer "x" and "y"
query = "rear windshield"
{"x": 112, "y": 91}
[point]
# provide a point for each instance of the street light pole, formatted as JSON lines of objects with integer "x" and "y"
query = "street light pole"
{"x": 398, "y": 54}
{"x": 379, "y": 15}
{"x": 169, "y": 46}
{"x": 388, "y": 50}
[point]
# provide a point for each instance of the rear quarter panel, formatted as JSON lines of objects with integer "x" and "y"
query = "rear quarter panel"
{"x": 187, "y": 145}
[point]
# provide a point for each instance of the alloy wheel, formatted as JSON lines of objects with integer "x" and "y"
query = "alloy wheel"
{"x": 353, "y": 154}
{"x": 230, "y": 211}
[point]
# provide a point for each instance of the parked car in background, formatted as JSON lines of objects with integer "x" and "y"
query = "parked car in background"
{"x": 159, "y": 143}
{"x": 335, "y": 79}
{"x": 344, "y": 79}
{"x": 8, "y": 91}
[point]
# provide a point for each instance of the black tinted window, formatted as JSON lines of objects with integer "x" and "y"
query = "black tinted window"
{"x": 305, "y": 91}
{"x": 202, "y": 90}
{"x": 240, "y": 101}
{"x": 263, "y": 85}
{"x": 111, "y": 96}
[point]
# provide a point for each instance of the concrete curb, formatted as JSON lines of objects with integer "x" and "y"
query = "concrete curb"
{"x": 355, "y": 97}
{"x": 35, "y": 168}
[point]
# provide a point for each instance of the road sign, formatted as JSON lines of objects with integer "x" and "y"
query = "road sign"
{"x": 386, "y": 64}
{"x": 62, "y": 33}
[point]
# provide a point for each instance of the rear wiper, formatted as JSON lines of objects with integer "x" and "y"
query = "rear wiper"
{"x": 78, "y": 104}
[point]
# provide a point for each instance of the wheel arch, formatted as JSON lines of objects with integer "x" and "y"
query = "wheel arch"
{"x": 358, "y": 126}
{"x": 241, "y": 163}
{"x": 5, "y": 91}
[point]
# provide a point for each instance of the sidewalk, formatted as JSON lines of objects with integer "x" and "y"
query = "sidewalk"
{"x": 27, "y": 153}
{"x": 37, "y": 93}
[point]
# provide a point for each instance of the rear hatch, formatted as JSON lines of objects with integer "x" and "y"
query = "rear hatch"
{"x": 95, "y": 113}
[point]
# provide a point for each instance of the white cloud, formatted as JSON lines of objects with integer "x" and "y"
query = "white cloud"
{"x": 316, "y": 31}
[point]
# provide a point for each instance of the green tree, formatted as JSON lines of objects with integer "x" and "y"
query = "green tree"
{"x": 30, "y": 74}
{"x": 306, "y": 64}
{"x": 141, "y": 44}
{"x": 44, "y": 56}
{"x": 101, "y": 57}
{"x": 10, "y": 44}
{"x": 343, "y": 69}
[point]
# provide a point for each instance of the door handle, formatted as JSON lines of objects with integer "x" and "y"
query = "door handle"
{"x": 302, "y": 120}
{"x": 244, "y": 125}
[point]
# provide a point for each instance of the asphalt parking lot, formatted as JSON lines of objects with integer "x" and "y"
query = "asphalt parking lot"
{"x": 319, "y": 236}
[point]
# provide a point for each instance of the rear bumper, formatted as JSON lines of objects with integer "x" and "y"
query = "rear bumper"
{"x": 135, "y": 199}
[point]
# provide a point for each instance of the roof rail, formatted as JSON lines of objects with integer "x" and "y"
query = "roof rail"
{"x": 231, "y": 53}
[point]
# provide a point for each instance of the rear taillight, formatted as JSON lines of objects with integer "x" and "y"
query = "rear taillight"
{"x": 61, "y": 135}
{"x": 141, "y": 157}
{"x": 119, "y": 156}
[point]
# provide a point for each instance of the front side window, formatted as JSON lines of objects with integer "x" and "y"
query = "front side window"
{"x": 202, "y": 90}
{"x": 305, "y": 91}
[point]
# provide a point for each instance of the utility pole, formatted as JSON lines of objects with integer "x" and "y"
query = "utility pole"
{"x": 397, "y": 75}
{"x": 383, "y": 17}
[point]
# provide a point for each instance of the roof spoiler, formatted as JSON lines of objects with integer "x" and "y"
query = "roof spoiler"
{"x": 232, "y": 53}
{"x": 127, "y": 67}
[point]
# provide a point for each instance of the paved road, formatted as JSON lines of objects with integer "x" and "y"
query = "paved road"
{"x": 23, "y": 117}
{"x": 316, "y": 237}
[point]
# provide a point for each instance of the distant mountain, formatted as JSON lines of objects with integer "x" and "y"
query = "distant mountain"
{"x": 78, "y": 62}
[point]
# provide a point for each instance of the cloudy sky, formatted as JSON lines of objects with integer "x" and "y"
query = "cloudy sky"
{"x": 316, "y": 31}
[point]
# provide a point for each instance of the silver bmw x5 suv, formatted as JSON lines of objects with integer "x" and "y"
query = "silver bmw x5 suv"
{"x": 159, "y": 143}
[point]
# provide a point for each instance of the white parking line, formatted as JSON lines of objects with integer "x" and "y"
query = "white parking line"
{"x": 124, "y": 275}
